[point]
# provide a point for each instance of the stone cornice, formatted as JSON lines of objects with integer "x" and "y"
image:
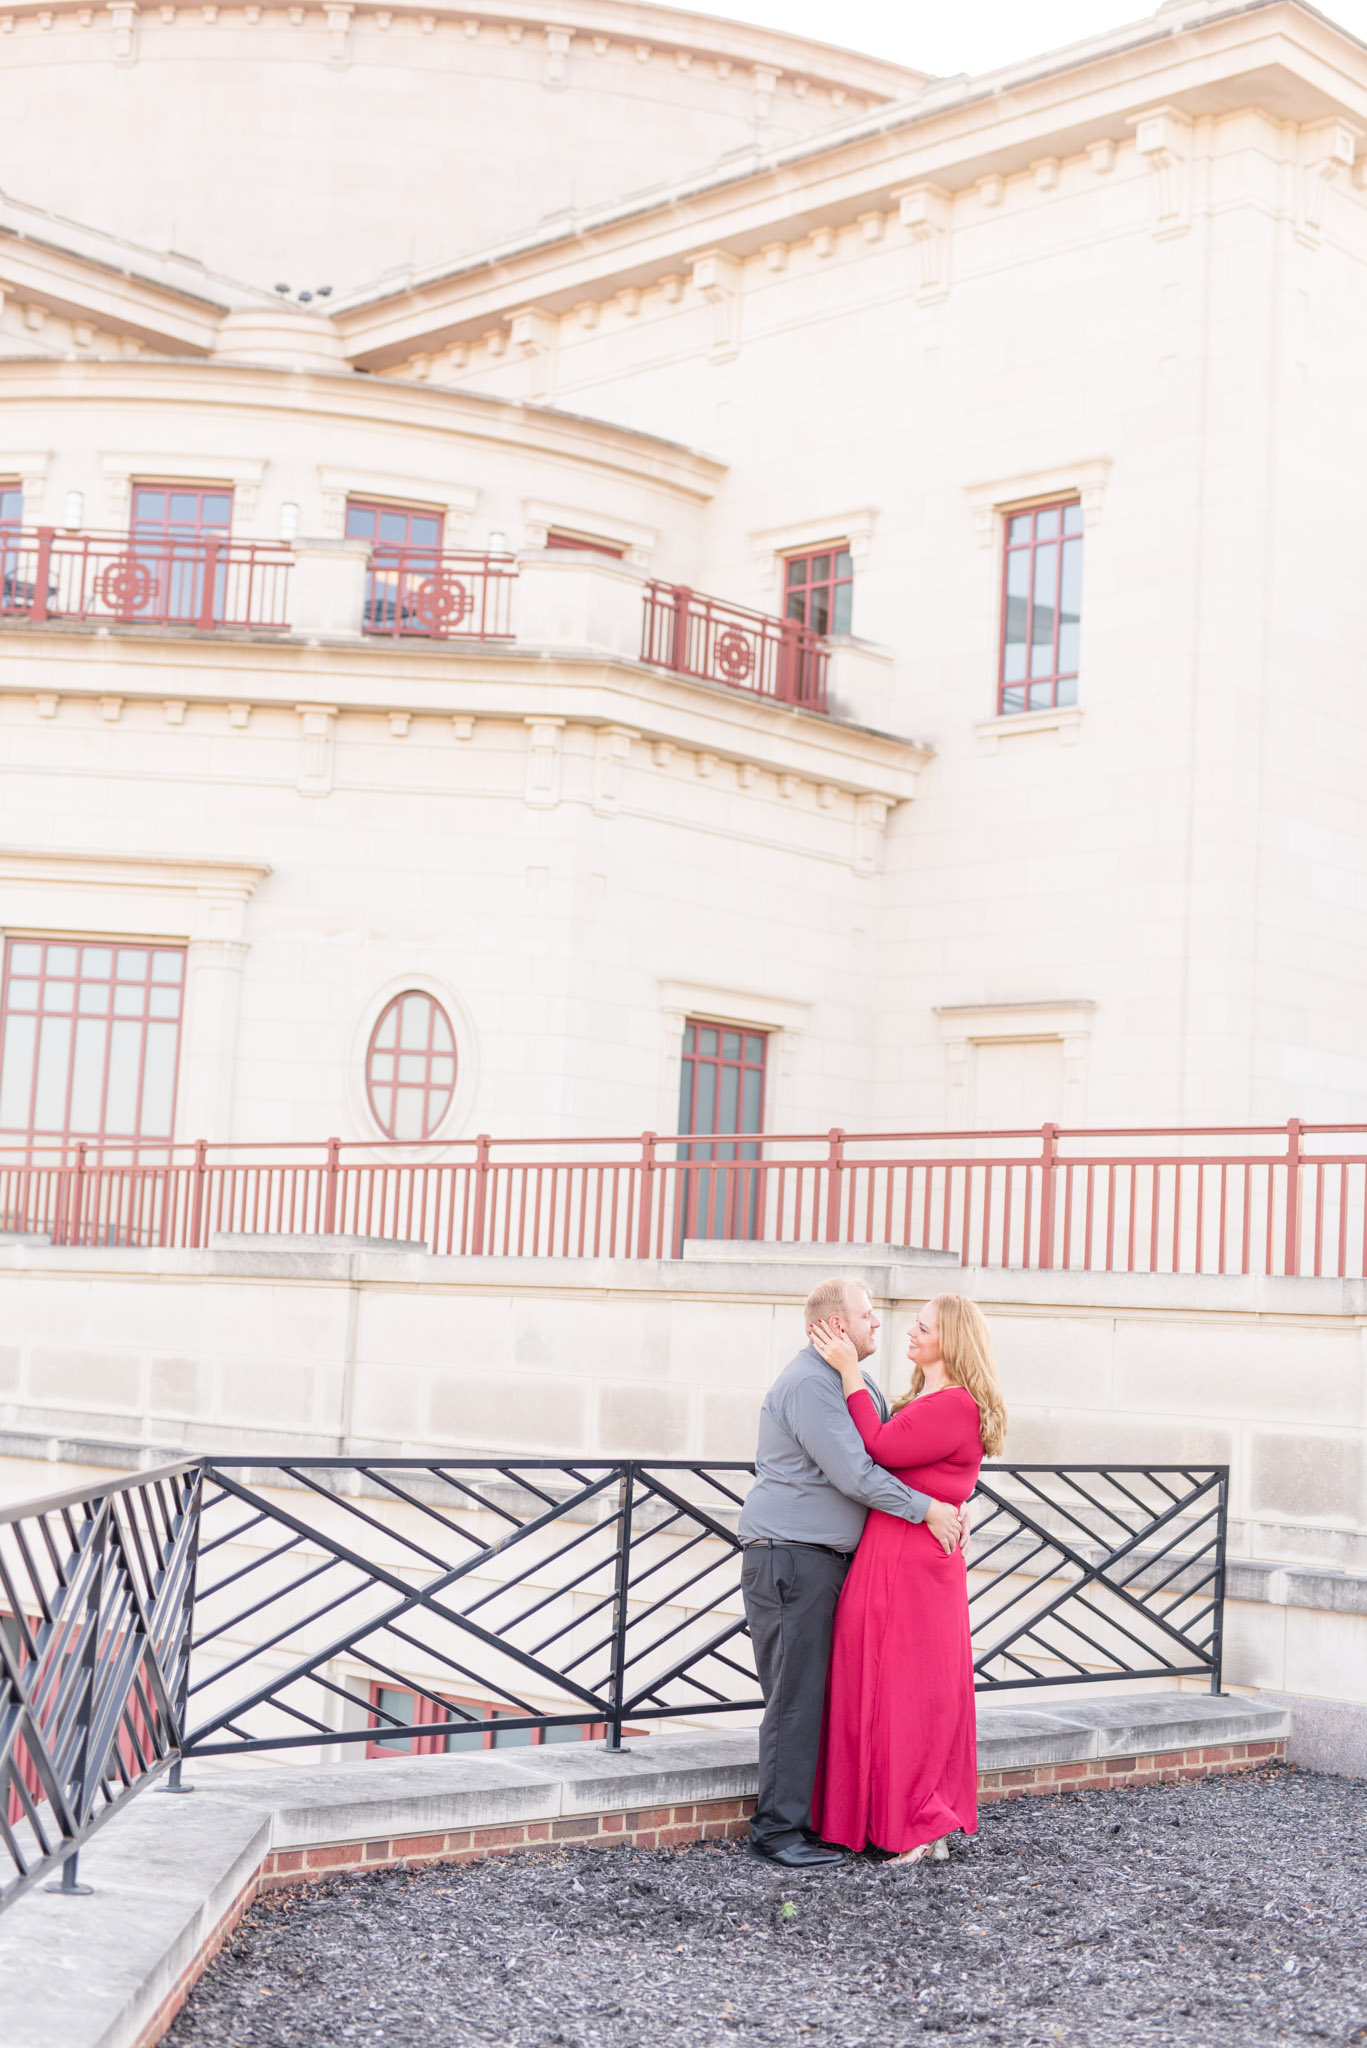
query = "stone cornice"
{"x": 134, "y": 870}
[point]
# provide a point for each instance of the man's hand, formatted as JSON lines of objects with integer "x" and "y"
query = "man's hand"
{"x": 943, "y": 1523}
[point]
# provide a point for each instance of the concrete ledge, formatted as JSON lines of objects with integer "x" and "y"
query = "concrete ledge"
{"x": 173, "y": 1876}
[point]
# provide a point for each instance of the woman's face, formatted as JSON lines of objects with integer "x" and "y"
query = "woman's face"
{"x": 923, "y": 1345}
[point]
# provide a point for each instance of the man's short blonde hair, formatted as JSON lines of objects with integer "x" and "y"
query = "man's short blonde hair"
{"x": 830, "y": 1298}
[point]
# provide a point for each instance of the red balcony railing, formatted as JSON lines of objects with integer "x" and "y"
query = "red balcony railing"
{"x": 202, "y": 582}
{"x": 433, "y": 594}
{"x": 724, "y": 643}
{"x": 1269, "y": 1199}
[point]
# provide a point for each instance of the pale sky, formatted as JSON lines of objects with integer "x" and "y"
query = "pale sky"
{"x": 945, "y": 36}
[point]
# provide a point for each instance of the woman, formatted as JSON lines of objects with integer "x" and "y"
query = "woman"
{"x": 899, "y": 1751}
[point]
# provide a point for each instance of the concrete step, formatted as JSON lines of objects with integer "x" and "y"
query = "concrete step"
{"x": 172, "y": 1876}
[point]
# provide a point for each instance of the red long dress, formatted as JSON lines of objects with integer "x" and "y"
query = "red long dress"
{"x": 899, "y": 1748}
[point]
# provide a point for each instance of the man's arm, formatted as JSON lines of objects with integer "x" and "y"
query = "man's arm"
{"x": 819, "y": 1419}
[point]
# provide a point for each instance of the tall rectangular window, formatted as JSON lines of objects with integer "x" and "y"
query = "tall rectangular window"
{"x": 405, "y": 549}
{"x": 1041, "y": 608}
{"x": 89, "y": 1040}
{"x": 818, "y": 589}
{"x": 170, "y": 529}
{"x": 721, "y": 1091}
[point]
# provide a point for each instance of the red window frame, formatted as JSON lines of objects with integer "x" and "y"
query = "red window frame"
{"x": 722, "y": 1072}
{"x": 391, "y": 527}
{"x": 407, "y": 1070}
{"x": 182, "y": 515}
{"x": 818, "y": 588}
{"x": 584, "y": 545}
{"x": 1041, "y": 574}
{"x": 87, "y": 992}
{"x": 424, "y": 1712}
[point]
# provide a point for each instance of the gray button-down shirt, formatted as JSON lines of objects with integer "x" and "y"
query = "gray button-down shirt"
{"x": 814, "y": 1481}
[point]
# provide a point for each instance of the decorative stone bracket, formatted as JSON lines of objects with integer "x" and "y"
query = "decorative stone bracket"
{"x": 611, "y": 754}
{"x": 317, "y": 748}
{"x": 1327, "y": 147}
{"x": 718, "y": 277}
{"x": 1163, "y": 139}
{"x": 925, "y": 210}
{"x": 543, "y": 762}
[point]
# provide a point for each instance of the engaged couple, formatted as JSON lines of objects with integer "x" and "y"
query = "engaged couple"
{"x": 856, "y": 1589}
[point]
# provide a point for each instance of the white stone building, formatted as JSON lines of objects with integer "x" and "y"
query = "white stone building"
{"x": 798, "y": 330}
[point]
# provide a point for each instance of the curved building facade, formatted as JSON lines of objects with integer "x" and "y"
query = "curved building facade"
{"x": 763, "y": 581}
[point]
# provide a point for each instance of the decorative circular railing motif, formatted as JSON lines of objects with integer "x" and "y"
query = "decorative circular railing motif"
{"x": 125, "y": 585}
{"x": 734, "y": 655}
{"x": 441, "y": 602}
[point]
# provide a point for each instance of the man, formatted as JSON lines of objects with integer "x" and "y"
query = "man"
{"x": 814, "y": 1485}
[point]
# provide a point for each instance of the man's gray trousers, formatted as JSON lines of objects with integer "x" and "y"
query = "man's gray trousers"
{"x": 790, "y": 1594}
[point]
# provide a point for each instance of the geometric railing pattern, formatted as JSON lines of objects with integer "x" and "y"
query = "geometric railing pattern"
{"x": 225, "y": 1607}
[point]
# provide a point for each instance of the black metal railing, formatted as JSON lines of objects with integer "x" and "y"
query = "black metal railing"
{"x": 222, "y": 1607}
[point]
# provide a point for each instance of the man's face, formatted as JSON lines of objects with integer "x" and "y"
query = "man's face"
{"x": 859, "y": 1322}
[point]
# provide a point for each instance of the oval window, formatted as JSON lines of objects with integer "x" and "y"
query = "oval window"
{"x": 411, "y": 1066}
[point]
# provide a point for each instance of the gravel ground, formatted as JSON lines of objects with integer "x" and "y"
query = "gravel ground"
{"x": 1223, "y": 1914}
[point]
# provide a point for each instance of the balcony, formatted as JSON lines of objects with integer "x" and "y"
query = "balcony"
{"x": 113, "y": 579}
{"x": 347, "y": 590}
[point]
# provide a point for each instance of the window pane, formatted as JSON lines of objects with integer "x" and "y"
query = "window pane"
{"x": 184, "y": 508}
{"x": 1042, "y": 622}
{"x": 1046, "y": 524}
{"x": 797, "y": 571}
{"x": 59, "y": 995}
{"x": 443, "y": 1071}
{"x": 442, "y": 1041}
{"x": 94, "y": 998}
{"x": 16, "y": 1072}
{"x": 150, "y": 505}
{"x": 465, "y": 1738}
{"x": 1019, "y": 528}
{"x": 797, "y": 606}
{"x": 25, "y": 959}
{"x": 413, "y": 1067}
{"x": 754, "y": 1048}
{"x": 730, "y": 1098}
{"x": 413, "y": 1029}
{"x": 752, "y": 1100}
{"x": 563, "y": 1735}
{"x": 707, "y": 1043}
{"x": 686, "y": 1095}
{"x": 705, "y": 1098}
{"x": 87, "y": 1079}
{"x": 842, "y": 597}
{"x": 689, "y": 1035}
{"x": 217, "y": 510}
{"x": 730, "y": 1045}
{"x": 159, "y": 1081}
{"x": 61, "y": 959}
{"x": 510, "y": 1738}
{"x": 161, "y": 1002}
{"x": 130, "y": 999}
{"x": 11, "y": 504}
{"x": 132, "y": 964}
{"x": 168, "y": 966}
{"x": 819, "y": 612}
{"x": 1070, "y": 606}
{"x": 394, "y": 527}
{"x": 424, "y": 533}
{"x": 97, "y": 962}
{"x": 23, "y": 995}
{"x": 400, "y": 1705}
{"x": 383, "y": 1099}
{"x": 1067, "y": 690}
{"x": 360, "y": 522}
{"x": 1041, "y": 696}
{"x": 408, "y": 1114}
{"x": 1013, "y": 700}
{"x": 54, "y": 1059}
{"x": 121, "y": 1101}
{"x": 1072, "y": 519}
{"x": 388, "y": 1028}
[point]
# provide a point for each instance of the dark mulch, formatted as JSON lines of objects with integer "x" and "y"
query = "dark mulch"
{"x": 1229, "y": 1913}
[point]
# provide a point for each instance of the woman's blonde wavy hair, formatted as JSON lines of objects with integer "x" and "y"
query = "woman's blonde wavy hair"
{"x": 966, "y": 1348}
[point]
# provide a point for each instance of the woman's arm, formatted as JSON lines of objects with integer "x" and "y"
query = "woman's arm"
{"x": 920, "y": 1434}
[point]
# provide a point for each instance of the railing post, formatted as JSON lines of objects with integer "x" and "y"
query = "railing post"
{"x": 1291, "y": 1260}
{"x": 205, "y": 621}
{"x": 835, "y": 1161}
{"x": 678, "y": 636}
{"x": 622, "y": 1586}
{"x": 42, "y": 571}
{"x": 75, "y": 1221}
{"x": 197, "y": 1200}
{"x": 481, "y": 1195}
{"x": 645, "y": 1214}
{"x": 1048, "y": 1162}
{"x": 1217, "y": 1647}
{"x": 187, "y": 1633}
{"x": 786, "y": 670}
{"x": 330, "y": 1199}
